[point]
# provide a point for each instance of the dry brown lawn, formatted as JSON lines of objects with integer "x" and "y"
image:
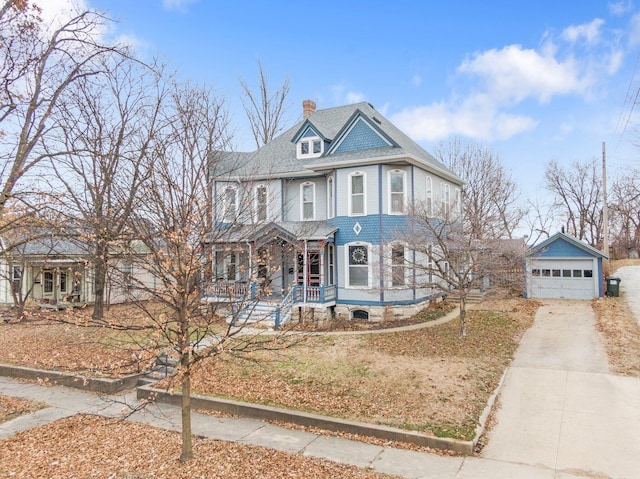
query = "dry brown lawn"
{"x": 428, "y": 380}
{"x": 619, "y": 330}
{"x": 11, "y": 407}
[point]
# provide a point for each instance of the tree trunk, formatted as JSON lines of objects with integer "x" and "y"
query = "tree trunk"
{"x": 187, "y": 447}
{"x": 100, "y": 279}
{"x": 463, "y": 315}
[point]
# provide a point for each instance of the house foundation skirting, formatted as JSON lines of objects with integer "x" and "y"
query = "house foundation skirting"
{"x": 380, "y": 313}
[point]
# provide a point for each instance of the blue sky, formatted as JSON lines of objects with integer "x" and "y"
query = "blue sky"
{"x": 534, "y": 80}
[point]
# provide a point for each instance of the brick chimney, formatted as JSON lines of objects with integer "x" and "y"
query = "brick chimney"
{"x": 308, "y": 107}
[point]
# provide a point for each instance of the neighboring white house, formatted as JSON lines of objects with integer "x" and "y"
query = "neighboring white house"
{"x": 310, "y": 218}
{"x": 57, "y": 272}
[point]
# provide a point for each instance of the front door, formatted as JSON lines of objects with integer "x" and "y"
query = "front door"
{"x": 48, "y": 277}
{"x": 313, "y": 269}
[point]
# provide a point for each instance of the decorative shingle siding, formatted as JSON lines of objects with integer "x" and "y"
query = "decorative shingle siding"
{"x": 562, "y": 248}
{"x": 368, "y": 234}
{"x": 309, "y": 133}
{"x": 361, "y": 137}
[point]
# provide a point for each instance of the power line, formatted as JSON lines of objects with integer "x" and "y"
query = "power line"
{"x": 624, "y": 106}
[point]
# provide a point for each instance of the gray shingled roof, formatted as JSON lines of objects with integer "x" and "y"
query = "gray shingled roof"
{"x": 278, "y": 158}
{"x": 295, "y": 230}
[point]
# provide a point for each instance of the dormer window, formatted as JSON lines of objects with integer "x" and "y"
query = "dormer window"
{"x": 310, "y": 147}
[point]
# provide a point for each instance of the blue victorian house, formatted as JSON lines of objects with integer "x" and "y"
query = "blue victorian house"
{"x": 309, "y": 221}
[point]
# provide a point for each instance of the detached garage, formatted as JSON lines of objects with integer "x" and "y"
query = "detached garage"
{"x": 564, "y": 267}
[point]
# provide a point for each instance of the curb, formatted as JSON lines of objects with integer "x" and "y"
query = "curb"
{"x": 269, "y": 413}
{"x": 98, "y": 385}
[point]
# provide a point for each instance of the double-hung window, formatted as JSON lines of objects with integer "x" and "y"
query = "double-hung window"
{"x": 308, "y": 197}
{"x": 330, "y": 202}
{"x": 357, "y": 194}
{"x": 396, "y": 192}
{"x": 261, "y": 203}
{"x": 397, "y": 266}
{"x": 429, "y": 197}
{"x": 445, "y": 197}
{"x": 230, "y": 204}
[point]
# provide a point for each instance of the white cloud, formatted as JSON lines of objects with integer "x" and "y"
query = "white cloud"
{"x": 474, "y": 119}
{"x": 634, "y": 30}
{"x": 512, "y": 74}
{"x": 177, "y": 5}
{"x": 342, "y": 94}
{"x": 590, "y": 32}
{"x": 355, "y": 97}
{"x": 621, "y": 7}
{"x": 56, "y": 13}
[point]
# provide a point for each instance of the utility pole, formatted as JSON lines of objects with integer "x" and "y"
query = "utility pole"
{"x": 605, "y": 208}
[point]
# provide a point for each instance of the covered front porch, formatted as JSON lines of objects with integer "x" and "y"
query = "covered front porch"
{"x": 54, "y": 283}
{"x": 276, "y": 265}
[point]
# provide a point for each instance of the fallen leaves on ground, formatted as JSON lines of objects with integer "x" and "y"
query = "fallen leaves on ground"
{"x": 620, "y": 333}
{"x": 428, "y": 380}
{"x": 11, "y": 407}
{"x": 88, "y": 446}
{"x": 60, "y": 340}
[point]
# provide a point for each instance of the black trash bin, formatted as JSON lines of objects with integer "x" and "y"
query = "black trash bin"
{"x": 613, "y": 286}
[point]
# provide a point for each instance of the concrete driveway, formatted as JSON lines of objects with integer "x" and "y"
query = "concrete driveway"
{"x": 559, "y": 406}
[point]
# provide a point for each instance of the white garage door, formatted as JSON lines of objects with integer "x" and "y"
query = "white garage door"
{"x": 562, "y": 278}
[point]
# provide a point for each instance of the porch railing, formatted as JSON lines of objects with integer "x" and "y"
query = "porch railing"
{"x": 225, "y": 289}
{"x": 228, "y": 290}
{"x": 314, "y": 294}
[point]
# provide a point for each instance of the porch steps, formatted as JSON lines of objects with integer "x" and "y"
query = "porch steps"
{"x": 474, "y": 297}
{"x": 164, "y": 366}
{"x": 262, "y": 313}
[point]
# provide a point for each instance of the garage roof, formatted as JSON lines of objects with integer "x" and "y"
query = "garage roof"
{"x": 550, "y": 247}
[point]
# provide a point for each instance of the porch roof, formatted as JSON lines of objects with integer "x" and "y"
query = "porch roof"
{"x": 287, "y": 230}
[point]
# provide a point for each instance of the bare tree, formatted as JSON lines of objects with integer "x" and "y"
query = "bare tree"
{"x": 490, "y": 199}
{"x": 106, "y": 126}
{"x": 624, "y": 219}
{"x": 38, "y": 64}
{"x": 265, "y": 109}
{"x": 173, "y": 224}
{"x": 577, "y": 194}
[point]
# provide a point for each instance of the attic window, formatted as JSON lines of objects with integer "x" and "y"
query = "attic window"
{"x": 310, "y": 147}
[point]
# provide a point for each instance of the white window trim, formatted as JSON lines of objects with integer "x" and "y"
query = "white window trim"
{"x": 225, "y": 206}
{"x": 445, "y": 198}
{"x": 348, "y": 265}
{"x": 391, "y": 265}
{"x": 389, "y": 192}
{"x": 257, "y": 205}
{"x": 429, "y": 195}
{"x": 331, "y": 264}
{"x": 457, "y": 207}
{"x": 364, "y": 193}
{"x": 309, "y": 140}
{"x": 302, "y": 186}
{"x": 331, "y": 210}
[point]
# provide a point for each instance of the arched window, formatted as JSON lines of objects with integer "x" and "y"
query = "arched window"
{"x": 359, "y": 267}
{"x": 429, "y": 196}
